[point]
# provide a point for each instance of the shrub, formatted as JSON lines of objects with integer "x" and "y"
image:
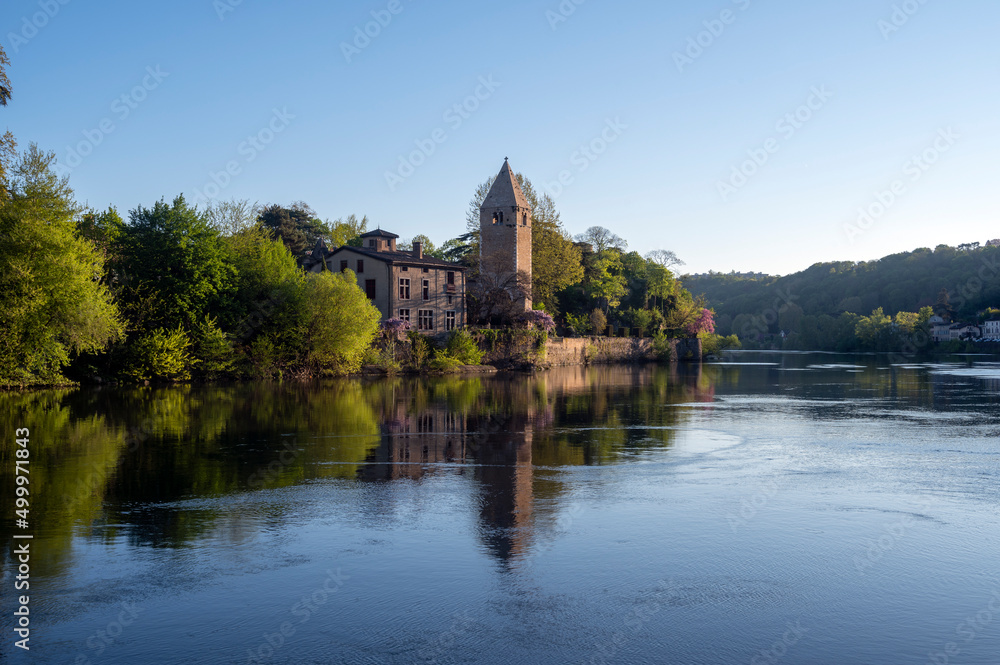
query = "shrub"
{"x": 161, "y": 354}
{"x": 213, "y": 349}
{"x": 420, "y": 349}
{"x": 445, "y": 362}
{"x": 662, "y": 346}
{"x": 462, "y": 347}
{"x": 598, "y": 321}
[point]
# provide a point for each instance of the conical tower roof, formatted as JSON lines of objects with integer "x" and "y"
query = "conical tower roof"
{"x": 506, "y": 191}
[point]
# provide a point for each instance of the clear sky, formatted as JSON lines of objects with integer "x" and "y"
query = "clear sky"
{"x": 143, "y": 100}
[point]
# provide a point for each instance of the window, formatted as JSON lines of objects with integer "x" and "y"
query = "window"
{"x": 404, "y": 289}
{"x": 427, "y": 270}
{"x": 343, "y": 266}
{"x": 370, "y": 288}
{"x": 405, "y": 268}
{"x": 404, "y": 314}
{"x": 425, "y": 319}
{"x": 371, "y": 243}
{"x": 449, "y": 320}
{"x": 427, "y": 289}
{"x": 450, "y": 288}
{"x": 361, "y": 266}
{"x": 524, "y": 219}
{"x": 450, "y": 298}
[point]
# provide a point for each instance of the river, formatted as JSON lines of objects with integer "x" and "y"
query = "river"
{"x": 769, "y": 507}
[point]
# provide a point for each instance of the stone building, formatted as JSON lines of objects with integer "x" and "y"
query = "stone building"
{"x": 408, "y": 285}
{"x": 505, "y": 238}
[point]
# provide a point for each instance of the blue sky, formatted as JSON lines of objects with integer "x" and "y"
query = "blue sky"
{"x": 267, "y": 90}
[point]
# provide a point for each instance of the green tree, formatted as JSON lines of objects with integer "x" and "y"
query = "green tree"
{"x": 171, "y": 266}
{"x": 876, "y": 332}
{"x": 53, "y": 302}
{"x": 343, "y": 322}
{"x": 347, "y": 231}
{"x": 297, "y": 226}
{"x": 607, "y": 284}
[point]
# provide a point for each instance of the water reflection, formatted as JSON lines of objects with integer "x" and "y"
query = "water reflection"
{"x": 130, "y": 465}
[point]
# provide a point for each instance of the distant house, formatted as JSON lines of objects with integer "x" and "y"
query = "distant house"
{"x": 427, "y": 292}
{"x": 965, "y": 331}
{"x": 991, "y": 329}
{"x": 940, "y": 331}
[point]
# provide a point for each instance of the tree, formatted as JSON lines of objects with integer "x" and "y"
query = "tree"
{"x": 50, "y": 292}
{"x": 343, "y": 322}
{"x": 231, "y": 217}
{"x": 297, "y": 226}
{"x": 601, "y": 239}
{"x": 8, "y": 146}
{"x": 348, "y": 231}
{"x": 171, "y": 266}
{"x": 664, "y": 258}
{"x": 606, "y": 284}
{"x": 875, "y": 332}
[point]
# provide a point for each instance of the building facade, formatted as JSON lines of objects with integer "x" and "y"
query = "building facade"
{"x": 505, "y": 238}
{"x": 427, "y": 292}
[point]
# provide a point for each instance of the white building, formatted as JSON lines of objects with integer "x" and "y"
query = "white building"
{"x": 991, "y": 329}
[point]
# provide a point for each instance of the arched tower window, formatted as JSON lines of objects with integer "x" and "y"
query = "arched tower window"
{"x": 524, "y": 219}
{"x": 496, "y": 218}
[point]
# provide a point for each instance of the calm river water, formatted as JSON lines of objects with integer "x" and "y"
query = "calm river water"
{"x": 793, "y": 508}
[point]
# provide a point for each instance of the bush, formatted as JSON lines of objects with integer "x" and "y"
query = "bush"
{"x": 462, "y": 347}
{"x": 343, "y": 322}
{"x": 661, "y": 346}
{"x": 420, "y": 349}
{"x": 161, "y": 354}
{"x": 444, "y": 362}
{"x": 598, "y": 321}
{"x": 213, "y": 349}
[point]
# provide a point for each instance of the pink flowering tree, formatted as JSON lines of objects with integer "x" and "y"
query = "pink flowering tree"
{"x": 394, "y": 330}
{"x": 704, "y": 322}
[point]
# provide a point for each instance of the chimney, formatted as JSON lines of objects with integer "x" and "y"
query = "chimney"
{"x": 418, "y": 250}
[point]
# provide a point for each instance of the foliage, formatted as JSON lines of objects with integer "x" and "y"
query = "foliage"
{"x": 601, "y": 240}
{"x": 535, "y": 318}
{"x": 161, "y": 354}
{"x": 342, "y": 322}
{"x": 462, "y": 346}
{"x": 348, "y": 231}
{"x": 170, "y": 266}
{"x": 712, "y": 344}
{"x": 580, "y": 324}
{"x": 213, "y": 349}
{"x": 703, "y": 322}
{"x": 956, "y": 283}
{"x": 53, "y": 302}
{"x": 598, "y": 322}
{"x": 444, "y": 362}
{"x": 296, "y": 226}
{"x": 420, "y": 349}
{"x": 663, "y": 346}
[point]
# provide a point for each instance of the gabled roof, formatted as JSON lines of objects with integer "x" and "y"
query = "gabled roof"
{"x": 506, "y": 191}
{"x": 379, "y": 233}
{"x": 402, "y": 258}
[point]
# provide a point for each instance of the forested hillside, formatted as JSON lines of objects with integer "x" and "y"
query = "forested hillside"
{"x": 957, "y": 282}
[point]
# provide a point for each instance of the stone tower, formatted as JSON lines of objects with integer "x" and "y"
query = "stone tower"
{"x": 505, "y": 237}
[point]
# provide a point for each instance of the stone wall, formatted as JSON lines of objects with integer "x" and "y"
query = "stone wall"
{"x": 604, "y": 350}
